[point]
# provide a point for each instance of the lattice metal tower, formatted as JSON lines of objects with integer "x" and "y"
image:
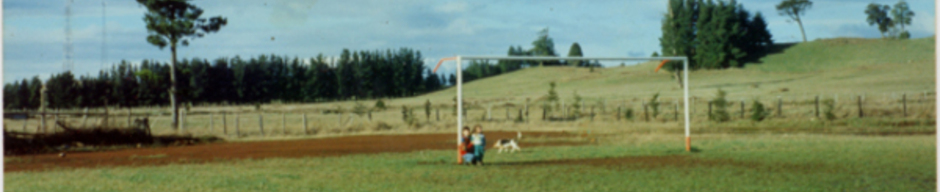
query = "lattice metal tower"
{"x": 67, "y": 65}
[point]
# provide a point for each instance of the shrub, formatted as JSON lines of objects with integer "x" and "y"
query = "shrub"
{"x": 360, "y": 109}
{"x": 427, "y": 109}
{"x": 654, "y": 104}
{"x": 720, "y": 105}
{"x": 379, "y": 105}
{"x": 628, "y": 114}
{"x": 904, "y": 35}
{"x": 758, "y": 112}
{"x": 829, "y": 107}
{"x": 408, "y": 116}
{"x": 577, "y": 106}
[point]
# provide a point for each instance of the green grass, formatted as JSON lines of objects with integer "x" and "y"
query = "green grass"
{"x": 645, "y": 162}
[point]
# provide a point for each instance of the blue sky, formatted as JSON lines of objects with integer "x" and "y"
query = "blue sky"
{"x": 34, "y": 30}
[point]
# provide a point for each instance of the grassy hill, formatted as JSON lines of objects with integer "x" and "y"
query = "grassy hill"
{"x": 844, "y": 66}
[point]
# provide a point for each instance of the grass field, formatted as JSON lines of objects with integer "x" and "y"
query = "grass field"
{"x": 647, "y": 162}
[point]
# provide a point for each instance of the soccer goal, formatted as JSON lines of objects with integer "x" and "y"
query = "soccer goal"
{"x": 685, "y": 79}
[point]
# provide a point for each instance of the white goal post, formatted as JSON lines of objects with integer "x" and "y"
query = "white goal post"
{"x": 459, "y": 59}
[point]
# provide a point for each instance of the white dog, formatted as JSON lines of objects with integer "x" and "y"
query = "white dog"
{"x": 508, "y": 144}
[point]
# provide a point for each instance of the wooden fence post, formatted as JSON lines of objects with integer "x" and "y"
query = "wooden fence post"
{"x": 526, "y": 110}
{"x": 182, "y": 122}
{"x": 544, "y": 110}
{"x": 437, "y": 113}
{"x": 618, "y": 112}
{"x": 646, "y": 114}
{"x": 592, "y": 113}
{"x": 42, "y": 122}
{"x": 489, "y": 112}
{"x": 261, "y": 123}
{"x": 742, "y": 109}
{"x": 55, "y": 120}
{"x": 26, "y": 121}
{"x": 904, "y": 103}
{"x": 237, "y": 132}
{"x": 128, "y": 116}
{"x": 779, "y": 107}
{"x": 675, "y": 111}
{"x": 84, "y": 118}
{"x": 305, "y": 122}
{"x": 224, "y": 124}
{"x": 211, "y": 123}
{"x": 860, "y": 113}
{"x": 709, "y": 110}
{"x": 817, "y": 106}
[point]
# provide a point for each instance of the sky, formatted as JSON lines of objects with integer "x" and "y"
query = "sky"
{"x": 34, "y": 31}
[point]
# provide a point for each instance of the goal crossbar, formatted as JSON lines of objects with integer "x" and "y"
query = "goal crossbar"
{"x": 459, "y": 59}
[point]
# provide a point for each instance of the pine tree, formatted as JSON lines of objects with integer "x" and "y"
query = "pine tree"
{"x": 575, "y": 51}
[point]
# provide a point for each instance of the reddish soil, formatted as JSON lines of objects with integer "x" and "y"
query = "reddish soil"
{"x": 255, "y": 150}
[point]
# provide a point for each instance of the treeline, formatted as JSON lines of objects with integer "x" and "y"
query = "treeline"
{"x": 713, "y": 35}
{"x": 362, "y": 74}
{"x": 542, "y": 46}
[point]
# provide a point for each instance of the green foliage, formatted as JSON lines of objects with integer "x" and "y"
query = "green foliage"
{"x": 758, "y": 112}
{"x": 720, "y": 104}
{"x": 829, "y": 108}
{"x": 878, "y": 15}
{"x": 628, "y": 114}
{"x": 724, "y": 34}
{"x": 379, "y": 105}
{"x": 904, "y": 35}
{"x": 901, "y": 16}
{"x": 543, "y": 45}
{"x": 360, "y": 109}
{"x": 552, "y": 96}
{"x": 176, "y": 21}
{"x": 575, "y": 51}
{"x": 795, "y": 8}
{"x": 427, "y": 109}
{"x": 408, "y": 116}
{"x": 654, "y": 104}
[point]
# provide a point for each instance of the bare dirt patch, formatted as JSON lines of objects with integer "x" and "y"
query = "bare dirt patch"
{"x": 226, "y": 151}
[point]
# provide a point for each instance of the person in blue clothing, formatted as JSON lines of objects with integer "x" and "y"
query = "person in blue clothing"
{"x": 479, "y": 142}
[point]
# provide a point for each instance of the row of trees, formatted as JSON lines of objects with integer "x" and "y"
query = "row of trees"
{"x": 889, "y": 20}
{"x": 542, "y": 46}
{"x": 362, "y": 74}
{"x": 713, "y": 35}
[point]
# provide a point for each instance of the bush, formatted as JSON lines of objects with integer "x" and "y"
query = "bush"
{"x": 829, "y": 107}
{"x": 408, "y": 116}
{"x": 379, "y": 105}
{"x": 904, "y": 35}
{"x": 654, "y": 104}
{"x": 720, "y": 113}
{"x": 576, "y": 112}
{"x": 628, "y": 114}
{"x": 360, "y": 109}
{"x": 758, "y": 112}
